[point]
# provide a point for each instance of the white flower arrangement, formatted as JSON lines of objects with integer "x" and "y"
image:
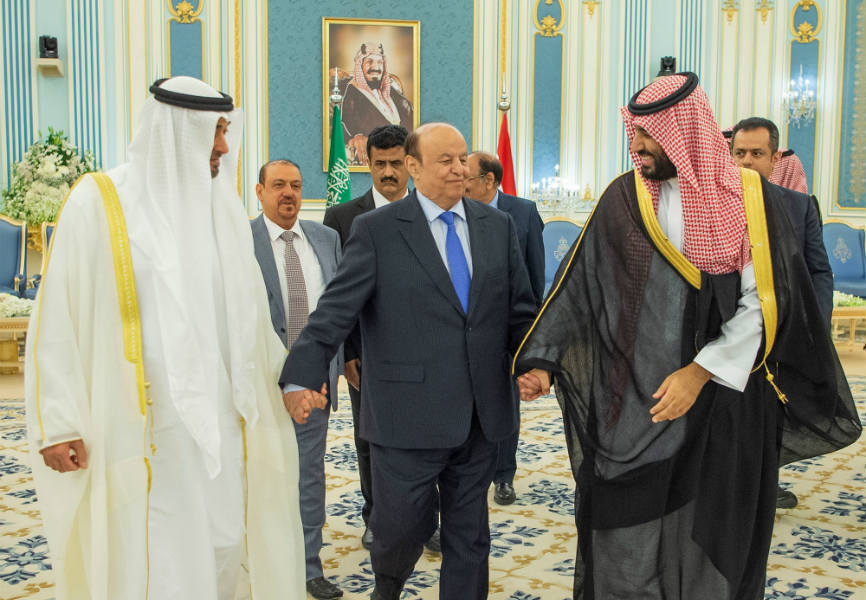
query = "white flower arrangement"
{"x": 842, "y": 299}
{"x": 41, "y": 179}
{"x": 13, "y": 306}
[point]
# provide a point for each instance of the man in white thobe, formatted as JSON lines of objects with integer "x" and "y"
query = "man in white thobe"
{"x": 169, "y": 458}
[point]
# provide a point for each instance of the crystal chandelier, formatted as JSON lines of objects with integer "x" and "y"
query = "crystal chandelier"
{"x": 557, "y": 195}
{"x": 799, "y": 101}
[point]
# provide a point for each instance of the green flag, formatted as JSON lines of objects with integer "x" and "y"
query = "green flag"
{"x": 338, "y": 169}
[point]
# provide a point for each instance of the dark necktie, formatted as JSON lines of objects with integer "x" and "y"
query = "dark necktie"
{"x": 456, "y": 261}
{"x": 296, "y": 291}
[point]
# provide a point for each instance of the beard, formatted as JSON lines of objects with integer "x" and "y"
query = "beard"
{"x": 662, "y": 168}
{"x": 374, "y": 81}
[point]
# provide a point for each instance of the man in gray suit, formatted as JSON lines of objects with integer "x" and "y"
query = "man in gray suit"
{"x": 440, "y": 290}
{"x": 298, "y": 258}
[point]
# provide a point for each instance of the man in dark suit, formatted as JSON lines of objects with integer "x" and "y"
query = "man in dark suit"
{"x": 390, "y": 182}
{"x": 755, "y": 145}
{"x": 485, "y": 175}
{"x": 439, "y": 286}
{"x": 298, "y": 258}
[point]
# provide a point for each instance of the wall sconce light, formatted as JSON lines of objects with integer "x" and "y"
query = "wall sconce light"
{"x": 799, "y": 101}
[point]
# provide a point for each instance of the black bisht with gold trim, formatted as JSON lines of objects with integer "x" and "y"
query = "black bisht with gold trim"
{"x": 683, "y": 508}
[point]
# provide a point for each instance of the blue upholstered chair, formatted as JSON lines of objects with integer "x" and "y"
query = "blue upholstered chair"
{"x": 559, "y": 235}
{"x": 47, "y": 232}
{"x": 13, "y": 256}
{"x": 845, "y": 249}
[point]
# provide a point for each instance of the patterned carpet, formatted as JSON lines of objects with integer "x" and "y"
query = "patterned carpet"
{"x": 819, "y": 548}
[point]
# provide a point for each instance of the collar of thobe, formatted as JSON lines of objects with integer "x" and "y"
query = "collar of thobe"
{"x": 433, "y": 210}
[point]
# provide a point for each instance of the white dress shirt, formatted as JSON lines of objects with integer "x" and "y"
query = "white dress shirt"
{"x": 439, "y": 228}
{"x": 379, "y": 200}
{"x": 730, "y": 356}
{"x": 313, "y": 279}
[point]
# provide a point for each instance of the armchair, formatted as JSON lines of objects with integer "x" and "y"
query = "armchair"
{"x": 13, "y": 256}
{"x": 845, "y": 249}
{"x": 559, "y": 236}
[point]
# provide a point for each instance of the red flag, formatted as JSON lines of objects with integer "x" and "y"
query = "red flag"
{"x": 503, "y": 149}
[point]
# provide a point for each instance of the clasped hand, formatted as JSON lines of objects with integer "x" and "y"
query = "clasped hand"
{"x": 301, "y": 403}
{"x": 533, "y": 384}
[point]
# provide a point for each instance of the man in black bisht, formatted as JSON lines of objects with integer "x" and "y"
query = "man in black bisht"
{"x": 690, "y": 361}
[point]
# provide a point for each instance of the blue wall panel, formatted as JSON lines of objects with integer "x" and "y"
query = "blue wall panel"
{"x": 802, "y": 138}
{"x": 295, "y": 74}
{"x": 851, "y": 192}
{"x": 186, "y": 48}
{"x": 547, "y": 106}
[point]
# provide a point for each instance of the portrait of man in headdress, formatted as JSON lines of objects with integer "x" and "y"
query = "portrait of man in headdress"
{"x": 374, "y": 65}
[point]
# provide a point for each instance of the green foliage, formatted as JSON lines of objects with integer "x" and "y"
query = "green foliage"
{"x": 42, "y": 178}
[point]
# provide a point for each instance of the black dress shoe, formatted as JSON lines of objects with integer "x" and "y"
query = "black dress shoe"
{"x": 434, "y": 544}
{"x": 367, "y": 538}
{"x": 785, "y": 499}
{"x": 322, "y": 589}
{"x": 504, "y": 494}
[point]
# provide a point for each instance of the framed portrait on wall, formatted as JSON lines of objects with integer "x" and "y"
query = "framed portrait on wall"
{"x": 375, "y": 66}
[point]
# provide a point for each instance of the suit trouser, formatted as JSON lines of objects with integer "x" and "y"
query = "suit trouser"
{"x": 404, "y": 515}
{"x": 311, "y": 437}
{"x": 362, "y": 447}
{"x": 506, "y": 453}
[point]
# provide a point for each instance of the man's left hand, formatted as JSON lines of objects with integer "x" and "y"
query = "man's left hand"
{"x": 678, "y": 392}
{"x": 301, "y": 403}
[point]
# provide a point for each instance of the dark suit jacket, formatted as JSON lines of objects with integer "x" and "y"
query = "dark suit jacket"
{"x": 528, "y": 223}
{"x": 427, "y": 364}
{"x": 340, "y": 217}
{"x": 326, "y": 246}
{"x": 806, "y": 221}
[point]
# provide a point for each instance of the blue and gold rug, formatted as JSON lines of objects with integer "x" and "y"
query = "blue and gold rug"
{"x": 819, "y": 547}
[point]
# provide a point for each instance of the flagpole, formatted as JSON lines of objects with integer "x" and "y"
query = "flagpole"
{"x": 339, "y": 188}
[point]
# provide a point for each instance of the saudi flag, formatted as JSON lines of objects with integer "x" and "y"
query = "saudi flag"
{"x": 338, "y": 169}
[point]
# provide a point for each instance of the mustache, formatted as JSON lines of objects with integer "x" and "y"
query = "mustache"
{"x": 391, "y": 179}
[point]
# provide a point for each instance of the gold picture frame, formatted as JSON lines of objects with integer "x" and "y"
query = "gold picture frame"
{"x": 389, "y": 48}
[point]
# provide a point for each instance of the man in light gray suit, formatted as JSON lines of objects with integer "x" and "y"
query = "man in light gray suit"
{"x": 298, "y": 258}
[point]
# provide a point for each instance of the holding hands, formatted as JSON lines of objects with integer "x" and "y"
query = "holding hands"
{"x": 533, "y": 384}
{"x": 301, "y": 403}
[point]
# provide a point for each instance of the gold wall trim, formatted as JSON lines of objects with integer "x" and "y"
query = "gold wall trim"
{"x": 548, "y": 26}
{"x": 184, "y": 12}
{"x": 730, "y": 8}
{"x": 804, "y": 32}
{"x": 764, "y": 7}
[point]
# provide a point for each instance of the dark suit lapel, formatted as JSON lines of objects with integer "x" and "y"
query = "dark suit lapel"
{"x": 367, "y": 202}
{"x": 504, "y": 203}
{"x": 416, "y": 231}
{"x": 265, "y": 256}
{"x": 478, "y": 232}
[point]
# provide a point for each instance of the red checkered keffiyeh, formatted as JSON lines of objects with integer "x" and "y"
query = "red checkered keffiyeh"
{"x": 714, "y": 218}
{"x": 788, "y": 172}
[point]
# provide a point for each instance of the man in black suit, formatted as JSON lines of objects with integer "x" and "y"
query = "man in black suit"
{"x": 755, "y": 145}
{"x": 390, "y": 182}
{"x": 443, "y": 299}
{"x": 485, "y": 175}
